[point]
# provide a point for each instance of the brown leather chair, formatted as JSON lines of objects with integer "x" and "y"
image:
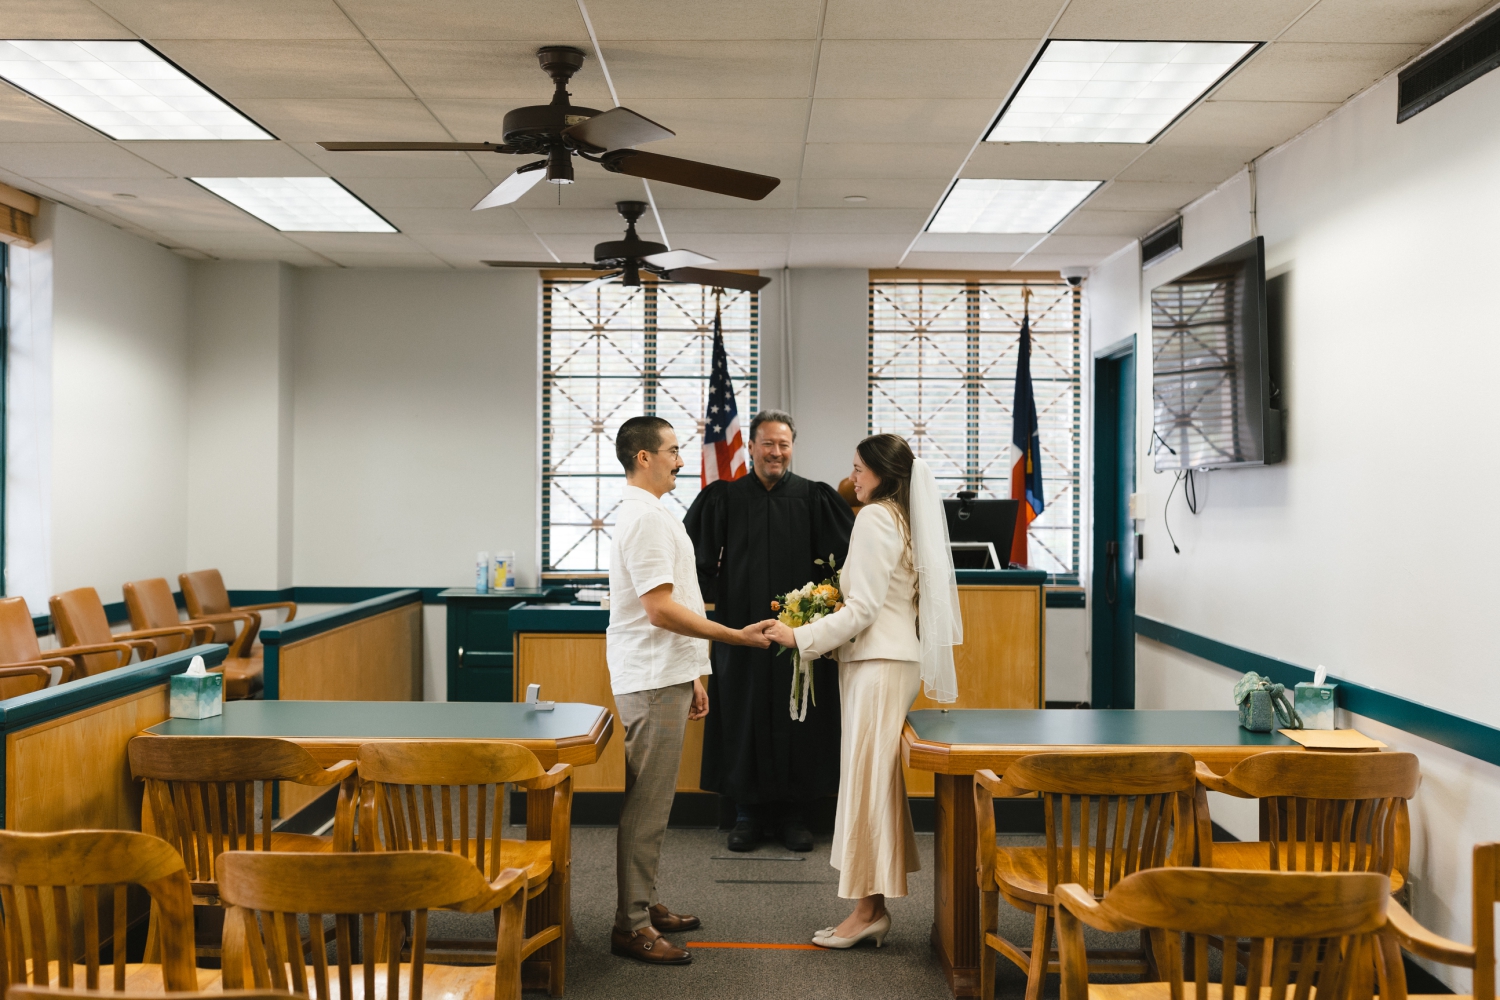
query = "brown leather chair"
{"x": 151, "y": 606}
{"x": 79, "y": 618}
{"x": 23, "y": 680}
{"x": 18, "y": 645}
{"x": 205, "y": 594}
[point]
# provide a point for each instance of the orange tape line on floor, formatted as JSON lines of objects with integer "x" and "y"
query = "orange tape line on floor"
{"x": 753, "y": 944}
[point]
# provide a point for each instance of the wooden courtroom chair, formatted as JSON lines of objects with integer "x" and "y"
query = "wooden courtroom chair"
{"x": 206, "y": 596}
{"x": 420, "y": 796}
{"x": 1134, "y": 811}
{"x": 47, "y": 878}
{"x": 79, "y": 618}
{"x": 24, "y": 680}
{"x": 1320, "y": 812}
{"x": 60, "y": 993}
{"x": 151, "y": 606}
{"x": 1322, "y": 934}
{"x": 19, "y": 646}
{"x": 368, "y": 896}
{"x": 1479, "y": 956}
{"x": 202, "y": 793}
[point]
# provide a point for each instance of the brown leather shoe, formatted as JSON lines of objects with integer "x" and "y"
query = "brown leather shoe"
{"x": 647, "y": 945}
{"x": 668, "y": 922}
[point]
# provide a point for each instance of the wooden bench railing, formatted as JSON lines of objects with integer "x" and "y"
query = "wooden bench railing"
{"x": 369, "y": 651}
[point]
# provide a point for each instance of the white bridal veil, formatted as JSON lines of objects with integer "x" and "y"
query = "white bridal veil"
{"x": 937, "y": 611}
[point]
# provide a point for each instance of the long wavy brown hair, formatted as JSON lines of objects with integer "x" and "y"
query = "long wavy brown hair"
{"x": 890, "y": 458}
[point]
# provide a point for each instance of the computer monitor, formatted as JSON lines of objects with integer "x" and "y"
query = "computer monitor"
{"x": 974, "y": 520}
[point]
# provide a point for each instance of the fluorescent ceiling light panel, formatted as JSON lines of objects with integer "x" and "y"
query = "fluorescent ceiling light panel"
{"x": 976, "y": 205}
{"x": 1112, "y": 91}
{"x": 298, "y": 204}
{"x": 124, "y": 89}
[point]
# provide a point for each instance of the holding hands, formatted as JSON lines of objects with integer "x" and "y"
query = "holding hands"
{"x": 779, "y": 632}
{"x": 755, "y": 635}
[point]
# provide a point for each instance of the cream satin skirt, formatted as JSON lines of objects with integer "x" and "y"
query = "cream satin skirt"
{"x": 874, "y": 845}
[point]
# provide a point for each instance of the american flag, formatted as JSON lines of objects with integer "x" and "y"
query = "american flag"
{"x": 723, "y": 446}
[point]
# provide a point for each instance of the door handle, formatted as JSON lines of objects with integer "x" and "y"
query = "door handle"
{"x": 1111, "y": 571}
{"x": 460, "y": 657}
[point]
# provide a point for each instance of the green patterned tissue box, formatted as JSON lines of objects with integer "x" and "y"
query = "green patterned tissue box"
{"x": 196, "y": 694}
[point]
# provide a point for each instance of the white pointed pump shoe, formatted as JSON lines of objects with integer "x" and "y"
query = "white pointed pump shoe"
{"x": 825, "y": 938}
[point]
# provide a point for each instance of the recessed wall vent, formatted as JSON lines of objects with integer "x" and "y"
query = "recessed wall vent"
{"x": 1162, "y": 243}
{"x": 1451, "y": 66}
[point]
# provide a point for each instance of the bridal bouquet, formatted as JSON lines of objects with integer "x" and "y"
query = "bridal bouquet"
{"x": 803, "y": 606}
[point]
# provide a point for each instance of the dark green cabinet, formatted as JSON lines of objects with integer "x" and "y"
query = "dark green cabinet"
{"x": 479, "y": 643}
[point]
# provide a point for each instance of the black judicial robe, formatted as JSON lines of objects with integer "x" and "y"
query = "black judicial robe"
{"x": 753, "y": 544}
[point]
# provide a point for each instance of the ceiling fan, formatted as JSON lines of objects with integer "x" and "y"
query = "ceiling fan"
{"x": 559, "y": 131}
{"x": 625, "y": 259}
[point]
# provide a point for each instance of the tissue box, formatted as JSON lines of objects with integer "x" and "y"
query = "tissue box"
{"x": 200, "y": 697}
{"x": 1315, "y": 703}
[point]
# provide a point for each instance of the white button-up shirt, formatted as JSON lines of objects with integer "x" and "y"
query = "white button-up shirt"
{"x": 650, "y": 548}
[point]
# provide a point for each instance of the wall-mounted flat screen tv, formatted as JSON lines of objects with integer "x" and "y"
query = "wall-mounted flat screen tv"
{"x": 1211, "y": 366}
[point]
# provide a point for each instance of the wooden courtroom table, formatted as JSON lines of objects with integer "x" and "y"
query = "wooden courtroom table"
{"x": 953, "y": 744}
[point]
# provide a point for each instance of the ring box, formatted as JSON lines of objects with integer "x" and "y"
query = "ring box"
{"x": 1315, "y": 703}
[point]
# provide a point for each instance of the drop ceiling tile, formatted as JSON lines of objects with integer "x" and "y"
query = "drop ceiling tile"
{"x": 884, "y": 161}
{"x": 1311, "y": 71}
{"x": 470, "y": 20}
{"x": 939, "y": 18}
{"x": 469, "y": 249}
{"x": 860, "y": 219}
{"x": 347, "y": 120}
{"x": 959, "y": 261}
{"x": 1177, "y": 163}
{"x": 490, "y": 70}
{"x": 58, "y": 19}
{"x": 571, "y": 221}
{"x": 425, "y": 164}
{"x": 244, "y": 69}
{"x": 1081, "y": 161}
{"x": 25, "y": 119}
{"x": 474, "y": 120}
{"x": 224, "y": 159}
{"x": 420, "y": 192}
{"x": 682, "y": 223}
{"x": 438, "y": 221}
{"x": 828, "y": 250}
{"x": 616, "y": 20}
{"x": 1103, "y": 245}
{"x": 1053, "y": 262}
{"x": 1249, "y": 123}
{"x": 899, "y": 121}
{"x": 1419, "y": 21}
{"x": 1099, "y": 222}
{"x": 723, "y": 247}
{"x": 74, "y": 159}
{"x": 717, "y": 69}
{"x": 906, "y": 69}
{"x": 200, "y": 212}
{"x": 227, "y": 244}
{"x": 975, "y": 242}
{"x": 782, "y": 120}
{"x": 394, "y": 244}
{"x": 1177, "y": 19}
{"x": 350, "y": 258}
{"x": 1148, "y": 196}
{"x": 901, "y": 193}
{"x": 232, "y": 18}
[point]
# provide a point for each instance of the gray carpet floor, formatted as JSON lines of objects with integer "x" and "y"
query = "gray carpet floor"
{"x": 752, "y": 898}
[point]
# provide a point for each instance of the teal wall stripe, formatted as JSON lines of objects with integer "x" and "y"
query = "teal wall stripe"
{"x": 1453, "y": 731}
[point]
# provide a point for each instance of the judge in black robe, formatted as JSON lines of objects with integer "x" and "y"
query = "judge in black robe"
{"x": 756, "y": 540}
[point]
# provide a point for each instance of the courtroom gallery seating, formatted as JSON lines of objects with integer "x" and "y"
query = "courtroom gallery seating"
{"x": 40, "y": 926}
{"x": 1141, "y": 818}
{"x": 417, "y": 795}
{"x": 1322, "y": 933}
{"x": 19, "y": 646}
{"x": 80, "y": 619}
{"x": 1479, "y": 956}
{"x": 367, "y": 895}
{"x": 24, "y": 680}
{"x": 206, "y": 596}
{"x": 150, "y": 605}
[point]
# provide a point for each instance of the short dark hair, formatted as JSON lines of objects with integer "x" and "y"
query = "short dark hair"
{"x": 772, "y": 417}
{"x": 636, "y": 435}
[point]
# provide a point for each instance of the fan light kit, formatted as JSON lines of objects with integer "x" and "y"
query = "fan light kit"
{"x": 560, "y": 131}
{"x": 1112, "y": 91}
{"x": 298, "y": 204}
{"x": 975, "y": 205}
{"x": 626, "y": 259}
{"x": 126, "y": 90}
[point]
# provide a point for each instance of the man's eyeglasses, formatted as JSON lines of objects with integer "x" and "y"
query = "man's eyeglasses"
{"x": 674, "y": 451}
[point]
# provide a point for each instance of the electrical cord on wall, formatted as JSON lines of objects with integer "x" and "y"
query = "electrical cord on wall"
{"x": 1189, "y": 493}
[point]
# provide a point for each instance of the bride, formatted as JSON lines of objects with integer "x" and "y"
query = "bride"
{"x": 897, "y": 627}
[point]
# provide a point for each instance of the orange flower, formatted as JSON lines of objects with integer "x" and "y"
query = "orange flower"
{"x": 775, "y": 605}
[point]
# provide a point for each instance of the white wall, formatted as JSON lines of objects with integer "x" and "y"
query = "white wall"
{"x": 1367, "y": 549}
{"x": 28, "y": 418}
{"x": 119, "y": 407}
{"x": 829, "y": 351}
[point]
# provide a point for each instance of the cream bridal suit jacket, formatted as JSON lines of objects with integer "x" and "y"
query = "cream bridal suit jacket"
{"x": 879, "y": 618}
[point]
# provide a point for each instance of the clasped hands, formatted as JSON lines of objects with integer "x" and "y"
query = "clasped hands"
{"x": 761, "y": 634}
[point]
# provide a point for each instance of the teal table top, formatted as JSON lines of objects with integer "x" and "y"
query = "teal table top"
{"x": 571, "y": 732}
{"x": 558, "y": 618}
{"x": 523, "y": 593}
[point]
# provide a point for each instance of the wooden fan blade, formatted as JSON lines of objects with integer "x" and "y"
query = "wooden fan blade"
{"x": 690, "y": 173}
{"x": 719, "y": 279}
{"x": 616, "y": 129}
{"x": 538, "y": 263}
{"x": 399, "y": 147}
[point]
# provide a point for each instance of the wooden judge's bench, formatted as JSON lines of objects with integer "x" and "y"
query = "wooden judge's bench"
{"x": 1000, "y": 664}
